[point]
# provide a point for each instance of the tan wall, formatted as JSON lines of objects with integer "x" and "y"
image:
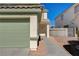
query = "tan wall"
{"x": 59, "y": 32}
{"x": 77, "y": 16}
{"x": 68, "y": 16}
{"x": 43, "y": 28}
{"x": 43, "y": 24}
{"x": 33, "y": 26}
{"x": 48, "y": 28}
{"x": 59, "y": 22}
{"x": 33, "y": 32}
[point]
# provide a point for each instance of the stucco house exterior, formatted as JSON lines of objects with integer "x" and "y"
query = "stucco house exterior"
{"x": 59, "y": 21}
{"x": 68, "y": 20}
{"x": 76, "y": 12}
{"x": 67, "y": 16}
{"x": 21, "y": 25}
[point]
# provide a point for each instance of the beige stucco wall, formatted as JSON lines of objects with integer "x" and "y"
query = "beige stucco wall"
{"x": 58, "y": 21}
{"x": 59, "y": 32}
{"x": 48, "y": 28}
{"x": 77, "y": 17}
{"x": 77, "y": 21}
{"x": 33, "y": 32}
{"x": 68, "y": 16}
{"x": 33, "y": 26}
{"x": 44, "y": 28}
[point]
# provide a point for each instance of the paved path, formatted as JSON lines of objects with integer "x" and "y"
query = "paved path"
{"x": 13, "y": 52}
{"x": 54, "y": 50}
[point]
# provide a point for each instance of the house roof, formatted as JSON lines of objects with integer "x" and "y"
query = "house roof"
{"x": 20, "y": 6}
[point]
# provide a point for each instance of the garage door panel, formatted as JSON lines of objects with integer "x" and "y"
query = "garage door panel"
{"x": 14, "y": 34}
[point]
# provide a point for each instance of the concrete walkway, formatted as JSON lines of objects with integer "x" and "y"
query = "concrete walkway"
{"x": 54, "y": 50}
{"x": 14, "y": 51}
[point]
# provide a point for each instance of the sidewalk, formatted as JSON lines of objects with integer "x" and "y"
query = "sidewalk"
{"x": 62, "y": 40}
{"x": 48, "y": 48}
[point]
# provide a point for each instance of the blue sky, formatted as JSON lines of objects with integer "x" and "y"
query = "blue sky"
{"x": 54, "y": 9}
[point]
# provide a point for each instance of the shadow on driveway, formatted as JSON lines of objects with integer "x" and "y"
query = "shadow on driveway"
{"x": 73, "y": 48}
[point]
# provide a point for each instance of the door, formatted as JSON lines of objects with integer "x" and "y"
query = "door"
{"x": 14, "y": 32}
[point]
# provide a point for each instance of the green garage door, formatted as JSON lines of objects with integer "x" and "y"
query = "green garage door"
{"x": 14, "y": 32}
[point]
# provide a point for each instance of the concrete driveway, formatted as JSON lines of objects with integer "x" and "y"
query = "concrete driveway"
{"x": 14, "y": 52}
{"x": 54, "y": 50}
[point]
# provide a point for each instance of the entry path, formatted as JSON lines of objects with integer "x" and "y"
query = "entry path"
{"x": 54, "y": 50}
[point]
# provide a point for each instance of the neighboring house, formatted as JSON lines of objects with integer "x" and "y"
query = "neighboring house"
{"x": 66, "y": 17}
{"x": 77, "y": 16}
{"x": 20, "y": 25}
{"x": 67, "y": 20}
{"x": 59, "y": 21}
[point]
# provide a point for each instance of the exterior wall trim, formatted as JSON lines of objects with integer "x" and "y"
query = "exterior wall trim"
{"x": 33, "y": 32}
